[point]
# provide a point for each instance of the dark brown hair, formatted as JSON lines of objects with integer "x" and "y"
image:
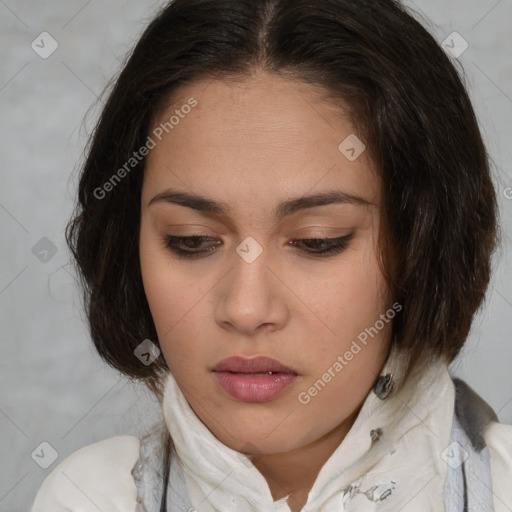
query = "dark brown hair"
{"x": 411, "y": 109}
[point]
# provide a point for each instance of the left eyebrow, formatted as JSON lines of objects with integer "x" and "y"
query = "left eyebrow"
{"x": 284, "y": 209}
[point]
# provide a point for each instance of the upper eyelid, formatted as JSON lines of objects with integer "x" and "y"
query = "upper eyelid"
{"x": 191, "y": 230}
{"x": 311, "y": 237}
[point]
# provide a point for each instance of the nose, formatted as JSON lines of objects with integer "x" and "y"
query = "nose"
{"x": 252, "y": 298}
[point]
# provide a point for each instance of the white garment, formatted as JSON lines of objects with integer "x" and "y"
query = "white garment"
{"x": 405, "y": 466}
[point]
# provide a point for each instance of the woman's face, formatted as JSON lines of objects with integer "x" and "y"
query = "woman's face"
{"x": 251, "y": 150}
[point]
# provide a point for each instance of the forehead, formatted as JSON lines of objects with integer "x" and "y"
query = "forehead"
{"x": 253, "y": 138}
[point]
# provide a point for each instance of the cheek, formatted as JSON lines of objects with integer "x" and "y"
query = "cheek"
{"x": 174, "y": 304}
{"x": 161, "y": 284}
{"x": 342, "y": 377}
{"x": 354, "y": 303}
{"x": 354, "y": 296}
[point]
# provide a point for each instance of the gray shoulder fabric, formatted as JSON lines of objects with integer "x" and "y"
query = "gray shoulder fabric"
{"x": 468, "y": 485}
{"x": 473, "y": 413}
{"x": 148, "y": 476}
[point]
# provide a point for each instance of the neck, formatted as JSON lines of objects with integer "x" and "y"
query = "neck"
{"x": 294, "y": 473}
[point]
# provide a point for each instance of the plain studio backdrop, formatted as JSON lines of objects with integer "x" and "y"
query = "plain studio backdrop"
{"x": 54, "y": 389}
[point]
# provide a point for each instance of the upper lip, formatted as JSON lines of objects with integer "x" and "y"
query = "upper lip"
{"x": 238, "y": 364}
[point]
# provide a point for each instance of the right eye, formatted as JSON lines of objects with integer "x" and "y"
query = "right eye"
{"x": 173, "y": 243}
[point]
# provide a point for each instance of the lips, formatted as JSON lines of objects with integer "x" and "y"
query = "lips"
{"x": 260, "y": 379}
{"x": 258, "y": 365}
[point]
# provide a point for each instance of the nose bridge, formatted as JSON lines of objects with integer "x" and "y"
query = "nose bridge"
{"x": 250, "y": 263}
{"x": 249, "y": 294}
{"x": 249, "y": 278}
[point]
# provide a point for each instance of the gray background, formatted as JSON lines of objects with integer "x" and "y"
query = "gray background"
{"x": 53, "y": 386}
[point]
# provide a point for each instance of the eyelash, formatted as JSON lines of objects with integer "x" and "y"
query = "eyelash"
{"x": 337, "y": 245}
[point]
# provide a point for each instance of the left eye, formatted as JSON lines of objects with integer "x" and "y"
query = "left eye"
{"x": 323, "y": 246}
{"x": 314, "y": 246}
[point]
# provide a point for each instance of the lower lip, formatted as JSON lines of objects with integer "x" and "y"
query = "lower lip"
{"x": 252, "y": 388}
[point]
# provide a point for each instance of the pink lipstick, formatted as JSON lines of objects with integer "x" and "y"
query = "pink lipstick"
{"x": 259, "y": 379}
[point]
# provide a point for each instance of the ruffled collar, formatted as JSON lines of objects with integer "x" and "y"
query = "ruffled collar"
{"x": 391, "y": 458}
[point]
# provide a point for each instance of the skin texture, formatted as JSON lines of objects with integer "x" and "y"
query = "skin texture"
{"x": 252, "y": 144}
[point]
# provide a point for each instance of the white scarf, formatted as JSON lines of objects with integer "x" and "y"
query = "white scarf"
{"x": 361, "y": 475}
